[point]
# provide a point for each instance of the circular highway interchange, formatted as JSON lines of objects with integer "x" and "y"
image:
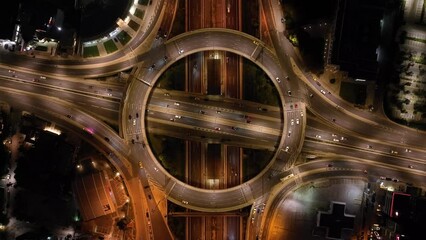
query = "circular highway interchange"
{"x": 136, "y": 101}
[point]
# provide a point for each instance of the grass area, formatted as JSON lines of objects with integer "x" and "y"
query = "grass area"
{"x": 354, "y": 93}
{"x": 91, "y": 51}
{"x": 257, "y": 85}
{"x": 110, "y": 46}
{"x": 143, "y": 2}
{"x": 123, "y": 37}
{"x": 133, "y": 25}
{"x": 139, "y": 13}
{"x": 170, "y": 152}
{"x": 254, "y": 161}
{"x": 174, "y": 77}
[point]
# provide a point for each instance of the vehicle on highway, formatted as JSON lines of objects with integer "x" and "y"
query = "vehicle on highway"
{"x": 292, "y": 122}
{"x": 322, "y": 91}
{"x": 335, "y": 140}
{"x": 234, "y": 128}
{"x": 42, "y": 77}
{"x": 134, "y": 122}
{"x": 217, "y": 128}
{"x": 278, "y": 79}
{"x": 318, "y": 136}
{"x": 178, "y": 116}
{"x": 289, "y": 133}
{"x": 410, "y": 166}
{"x": 289, "y": 93}
{"x": 297, "y": 121}
{"x": 394, "y": 152}
{"x": 140, "y": 164}
{"x": 176, "y": 103}
{"x": 287, "y": 148}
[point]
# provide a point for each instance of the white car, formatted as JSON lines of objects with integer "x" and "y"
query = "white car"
{"x": 322, "y": 91}
{"x": 134, "y": 122}
{"x": 297, "y": 121}
{"x": 178, "y": 116}
{"x": 287, "y": 149}
{"x": 292, "y": 122}
{"x": 177, "y": 104}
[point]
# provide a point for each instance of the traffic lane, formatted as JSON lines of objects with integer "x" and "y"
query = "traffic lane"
{"x": 233, "y": 166}
{"x": 232, "y": 14}
{"x": 205, "y": 110}
{"x": 194, "y": 14}
{"x": 195, "y": 129}
{"x": 322, "y": 131}
{"x": 87, "y": 86}
{"x": 368, "y": 129}
{"x": 233, "y": 104}
{"x": 195, "y": 159}
{"x": 214, "y": 125}
{"x": 372, "y": 157}
{"x": 106, "y": 110}
{"x": 232, "y": 76}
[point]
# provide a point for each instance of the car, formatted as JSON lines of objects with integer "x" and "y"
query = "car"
{"x": 410, "y": 166}
{"x": 178, "y": 116}
{"x": 335, "y": 140}
{"x": 407, "y": 150}
{"x": 140, "y": 164}
{"x": 172, "y": 119}
{"x": 166, "y": 94}
{"x": 218, "y": 111}
{"x": 289, "y": 93}
{"x": 42, "y": 77}
{"x": 287, "y": 148}
{"x": 134, "y": 122}
{"x": 322, "y": 91}
{"x": 318, "y": 136}
{"x": 106, "y": 139}
{"x": 217, "y": 128}
{"x": 234, "y": 128}
{"x": 289, "y": 133}
{"x": 292, "y": 122}
{"x": 297, "y": 121}
{"x": 330, "y": 165}
{"x": 278, "y": 79}
{"x": 137, "y": 115}
{"x": 283, "y": 20}
{"x": 394, "y": 152}
{"x": 311, "y": 95}
{"x": 301, "y": 114}
{"x": 343, "y": 138}
{"x": 176, "y": 103}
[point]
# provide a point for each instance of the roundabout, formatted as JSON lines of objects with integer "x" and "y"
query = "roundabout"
{"x": 136, "y": 102}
